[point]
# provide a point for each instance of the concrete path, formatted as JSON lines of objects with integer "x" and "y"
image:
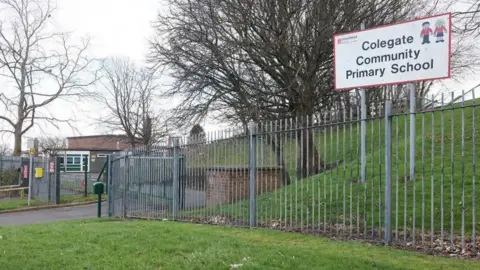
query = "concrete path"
{"x": 51, "y": 215}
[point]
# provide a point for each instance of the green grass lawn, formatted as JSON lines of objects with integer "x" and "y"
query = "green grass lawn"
{"x": 442, "y": 195}
{"x": 23, "y": 203}
{"x": 111, "y": 244}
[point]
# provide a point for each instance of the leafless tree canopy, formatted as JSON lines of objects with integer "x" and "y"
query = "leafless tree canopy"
{"x": 468, "y": 18}
{"x": 52, "y": 145}
{"x": 130, "y": 102}
{"x": 258, "y": 60}
{"x": 252, "y": 59}
{"x": 39, "y": 64}
{"x": 244, "y": 60}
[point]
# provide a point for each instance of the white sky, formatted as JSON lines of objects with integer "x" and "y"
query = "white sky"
{"x": 117, "y": 28}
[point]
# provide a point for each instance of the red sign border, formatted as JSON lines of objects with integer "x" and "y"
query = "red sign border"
{"x": 388, "y": 25}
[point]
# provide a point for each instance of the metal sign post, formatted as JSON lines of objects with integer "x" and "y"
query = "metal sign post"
{"x": 363, "y": 135}
{"x": 413, "y": 101}
{"x": 363, "y": 130}
{"x": 30, "y": 176}
{"x": 388, "y": 172}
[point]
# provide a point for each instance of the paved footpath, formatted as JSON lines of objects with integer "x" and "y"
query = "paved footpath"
{"x": 51, "y": 215}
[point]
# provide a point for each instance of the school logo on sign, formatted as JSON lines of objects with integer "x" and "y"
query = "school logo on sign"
{"x": 347, "y": 40}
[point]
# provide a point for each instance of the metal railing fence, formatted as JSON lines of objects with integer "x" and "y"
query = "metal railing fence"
{"x": 18, "y": 178}
{"x": 304, "y": 174}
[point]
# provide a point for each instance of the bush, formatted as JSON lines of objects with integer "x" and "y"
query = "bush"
{"x": 9, "y": 177}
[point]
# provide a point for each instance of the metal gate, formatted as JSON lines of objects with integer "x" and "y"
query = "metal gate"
{"x": 144, "y": 186}
{"x": 23, "y": 178}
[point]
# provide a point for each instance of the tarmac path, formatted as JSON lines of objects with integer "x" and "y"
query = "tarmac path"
{"x": 51, "y": 215}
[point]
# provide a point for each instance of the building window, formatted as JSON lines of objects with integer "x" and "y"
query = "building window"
{"x": 74, "y": 163}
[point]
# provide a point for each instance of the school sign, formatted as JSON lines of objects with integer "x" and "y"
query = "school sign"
{"x": 410, "y": 51}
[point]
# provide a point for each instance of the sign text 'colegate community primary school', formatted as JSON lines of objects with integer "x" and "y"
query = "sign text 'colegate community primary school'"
{"x": 404, "y": 52}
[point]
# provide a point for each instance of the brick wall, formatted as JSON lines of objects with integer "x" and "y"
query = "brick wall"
{"x": 230, "y": 185}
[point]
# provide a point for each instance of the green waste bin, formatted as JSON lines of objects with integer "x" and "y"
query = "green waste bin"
{"x": 99, "y": 189}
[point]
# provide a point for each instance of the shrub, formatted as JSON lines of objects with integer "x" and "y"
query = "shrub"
{"x": 9, "y": 177}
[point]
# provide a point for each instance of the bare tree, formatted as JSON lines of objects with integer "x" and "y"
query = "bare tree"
{"x": 51, "y": 146}
{"x": 4, "y": 150}
{"x": 41, "y": 65}
{"x": 261, "y": 60}
{"x": 130, "y": 103}
{"x": 468, "y": 18}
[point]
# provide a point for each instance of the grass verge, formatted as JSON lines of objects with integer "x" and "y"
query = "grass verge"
{"x": 111, "y": 244}
{"x": 23, "y": 203}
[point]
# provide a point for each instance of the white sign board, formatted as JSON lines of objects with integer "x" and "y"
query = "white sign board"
{"x": 409, "y": 51}
{"x": 30, "y": 143}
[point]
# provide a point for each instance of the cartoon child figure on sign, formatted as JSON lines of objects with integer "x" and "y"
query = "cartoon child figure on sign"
{"x": 440, "y": 30}
{"x": 426, "y": 32}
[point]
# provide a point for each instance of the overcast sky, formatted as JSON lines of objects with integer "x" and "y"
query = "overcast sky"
{"x": 117, "y": 28}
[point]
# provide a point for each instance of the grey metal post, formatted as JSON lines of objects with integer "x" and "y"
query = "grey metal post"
{"x": 57, "y": 180}
{"x": 85, "y": 176}
{"x": 49, "y": 179}
{"x": 262, "y": 153}
{"x": 363, "y": 130}
{"x": 30, "y": 179}
{"x": 388, "y": 172}
{"x": 109, "y": 186}
{"x": 252, "y": 174}
{"x": 126, "y": 184}
{"x": 46, "y": 177}
{"x": 176, "y": 178}
{"x": 412, "y": 130}
{"x": 363, "y": 136}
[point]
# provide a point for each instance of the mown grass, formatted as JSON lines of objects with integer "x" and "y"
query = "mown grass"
{"x": 442, "y": 195}
{"x": 110, "y": 244}
{"x": 23, "y": 203}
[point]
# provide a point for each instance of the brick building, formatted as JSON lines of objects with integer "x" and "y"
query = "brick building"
{"x": 94, "y": 148}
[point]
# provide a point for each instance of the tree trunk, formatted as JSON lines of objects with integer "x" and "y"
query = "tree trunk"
{"x": 17, "y": 149}
{"x": 276, "y": 145}
{"x": 308, "y": 161}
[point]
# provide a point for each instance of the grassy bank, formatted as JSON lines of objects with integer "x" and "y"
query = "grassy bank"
{"x": 442, "y": 195}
